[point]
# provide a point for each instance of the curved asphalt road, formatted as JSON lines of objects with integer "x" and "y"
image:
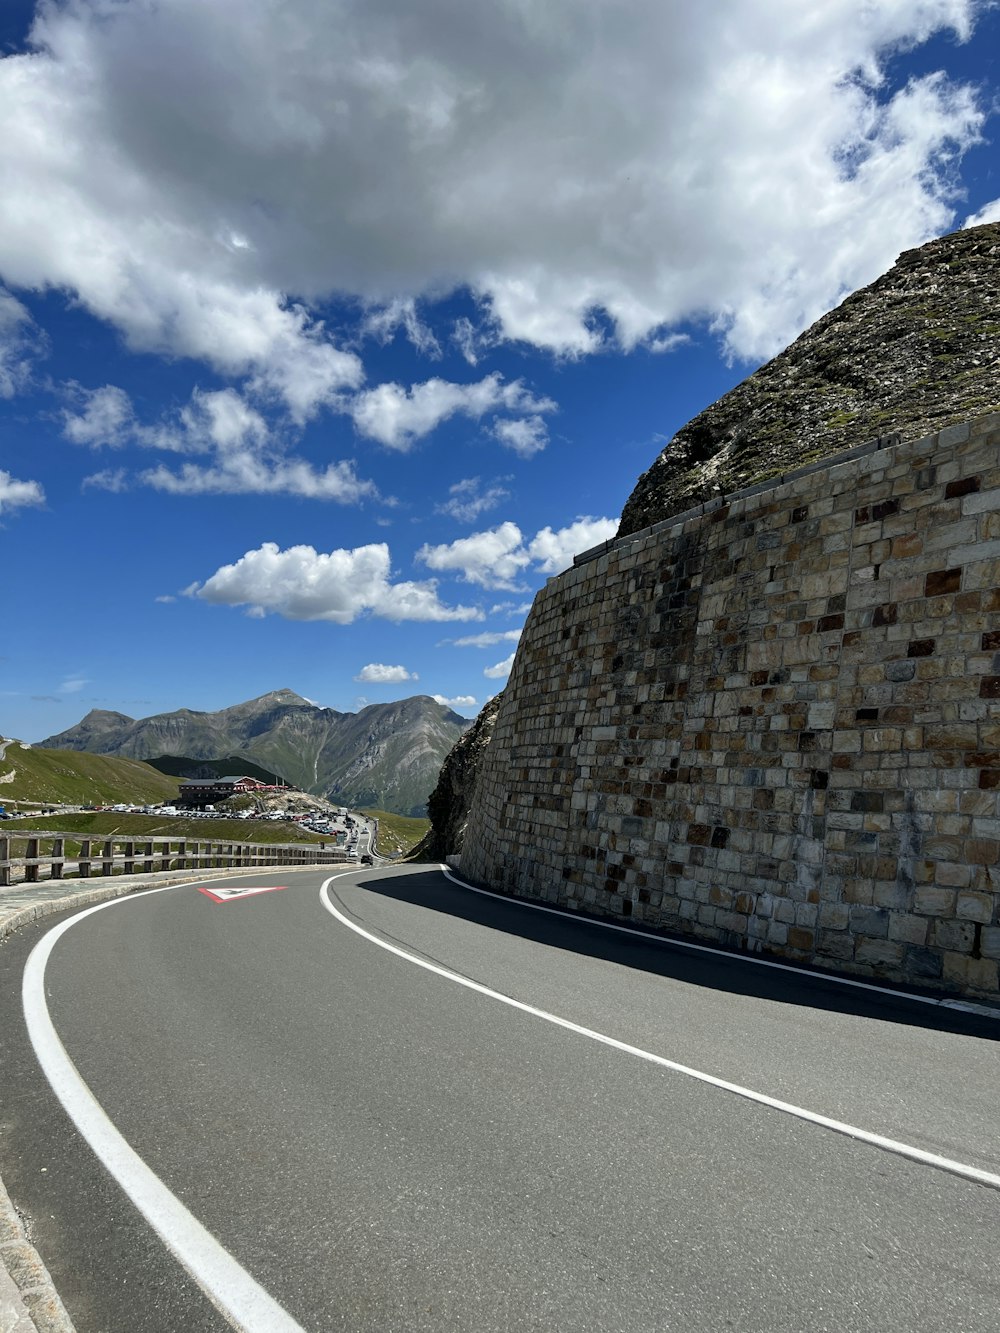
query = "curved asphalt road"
{"x": 383, "y": 1149}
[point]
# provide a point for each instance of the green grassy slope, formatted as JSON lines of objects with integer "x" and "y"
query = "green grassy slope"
{"x": 72, "y": 777}
{"x": 397, "y": 833}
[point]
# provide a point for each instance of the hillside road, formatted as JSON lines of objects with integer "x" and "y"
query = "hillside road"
{"x": 377, "y": 1138}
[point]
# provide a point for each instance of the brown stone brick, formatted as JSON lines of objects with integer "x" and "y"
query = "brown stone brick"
{"x": 991, "y": 640}
{"x": 942, "y": 581}
{"x": 989, "y": 687}
{"x": 906, "y": 546}
{"x": 920, "y": 648}
{"x": 799, "y": 938}
{"x": 963, "y": 486}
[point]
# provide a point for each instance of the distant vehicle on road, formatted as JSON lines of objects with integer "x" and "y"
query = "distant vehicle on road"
{"x": 366, "y": 860}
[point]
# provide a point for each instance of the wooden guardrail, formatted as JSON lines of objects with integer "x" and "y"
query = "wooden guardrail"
{"x": 24, "y": 855}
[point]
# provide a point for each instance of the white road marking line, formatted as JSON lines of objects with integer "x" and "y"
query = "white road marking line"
{"x": 941, "y": 1002}
{"x": 825, "y": 1122}
{"x": 225, "y": 1282}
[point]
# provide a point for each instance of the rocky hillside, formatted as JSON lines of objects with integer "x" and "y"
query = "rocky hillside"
{"x": 448, "y": 806}
{"x": 914, "y": 352}
{"x": 386, "y": 756}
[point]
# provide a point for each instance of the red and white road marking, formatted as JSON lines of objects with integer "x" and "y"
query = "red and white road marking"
{"x": 220, "y": 895}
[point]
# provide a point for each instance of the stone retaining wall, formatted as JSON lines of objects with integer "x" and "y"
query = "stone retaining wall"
{"x": 775, "y": 724}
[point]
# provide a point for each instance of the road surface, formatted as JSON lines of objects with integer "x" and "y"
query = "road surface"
{"x": 373, "y": 1145}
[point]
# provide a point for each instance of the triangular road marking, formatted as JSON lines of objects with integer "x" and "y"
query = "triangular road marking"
{"x": 220, "y": 895}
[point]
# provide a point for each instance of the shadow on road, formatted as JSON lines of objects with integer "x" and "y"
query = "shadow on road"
{"x": 667, "y": 956}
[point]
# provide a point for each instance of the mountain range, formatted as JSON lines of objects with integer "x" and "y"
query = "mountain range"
{"x": 386, "y": 756}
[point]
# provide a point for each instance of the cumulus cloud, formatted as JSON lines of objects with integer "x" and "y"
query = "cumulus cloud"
{"x": 459, "y": 701}
{"x": 492, "y": 559}
{"x": 16, "y": 494}
{"x": 384, "y": 322}
{"x": 112, "y": 479}
{"x": 103, "y": 417}
{"x": 501, "y": 670}
{"x": 526, "y": 436}
{"x": 205, "y": 206}
{"x": 247, "y": 474}
{"x": 988, "y": 213}
{"x": 397, "y": 417}
{"x": 301, "y": 583}
{"x": 554, "y": 551}
{"x": 247, "y": 455}
{"x": 496, "y": 558}
{"x": 20, "y": 344}
{"x": 467, "y": 499}
{"x": 376, "y": 673}
{"x": 488, "y": 639}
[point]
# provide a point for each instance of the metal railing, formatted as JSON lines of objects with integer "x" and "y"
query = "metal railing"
{"x": 24, "y": 856}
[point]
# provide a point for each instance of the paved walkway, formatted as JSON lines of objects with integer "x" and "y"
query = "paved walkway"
{"x": 29, "y": 1303}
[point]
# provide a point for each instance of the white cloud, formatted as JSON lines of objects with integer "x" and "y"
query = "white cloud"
{"x": 246, "y": 474}
{"x": 166, "y": 599}
{"x": 301, "y": 583}
{"x": 20, "y": 343}
{"x": 501, "y": 669}
{"x": 112, "y": 479}
{"x": 526, "y": 436}
{"x": 376, "y": 673}
{"x": 247, "y": 456}
{"x": 475, "y": 341}
{"x": 105, "y": 418}
{"x": 467, "y": 500}
{"x": 554, "y": 551}
{"x": 382, "y": 324}
{"x": 494, "y": 559}
{"x": 397, "y": 417}
{"x": 488, "y": 639}
{"x": 73, "y": 685}
{"x": 988, "y": 213}
{"x": 743, "y": 162}
{"x": 16, "y": 494}
{"x": 459, "y": 701}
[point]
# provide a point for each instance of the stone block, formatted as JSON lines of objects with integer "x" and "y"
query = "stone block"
{"x": 907, "y": 928}
{"x": 934, "y": 902}
{"x": 879, "y": 953}
{"x": 956, "y": 936}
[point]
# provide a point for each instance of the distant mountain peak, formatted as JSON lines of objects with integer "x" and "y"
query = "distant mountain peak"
{"x": 386, "y": 757}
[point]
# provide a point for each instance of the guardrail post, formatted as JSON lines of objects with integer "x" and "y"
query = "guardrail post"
{"x": 58, "y": 858}
{"x": 164, "y": 853}
{"x": 108, "y": 860}
{"x": 31, "y": 853}
{"x": 182, "y": 854}
{"x": 4, "y": 862}
{"x": 147, "y": 864}
{"x": 83, "y": 867}
{"x": 129, "y": 858}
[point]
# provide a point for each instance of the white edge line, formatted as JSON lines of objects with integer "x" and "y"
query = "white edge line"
{"x": 940, "y": 1002}
{"x": 226, "y": 1283}
{"x": 825, "y": 1122}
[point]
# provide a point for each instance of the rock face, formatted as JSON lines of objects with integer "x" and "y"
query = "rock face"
{"x": 387, "y": 755}
{"x": 448, "y": 804}
{"x": 916, "y": 351}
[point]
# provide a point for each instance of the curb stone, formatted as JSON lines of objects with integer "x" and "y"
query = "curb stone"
{"x": 29, "y": 1302}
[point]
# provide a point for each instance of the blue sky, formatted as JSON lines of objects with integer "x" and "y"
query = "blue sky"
{"x": 329, "y": 332}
